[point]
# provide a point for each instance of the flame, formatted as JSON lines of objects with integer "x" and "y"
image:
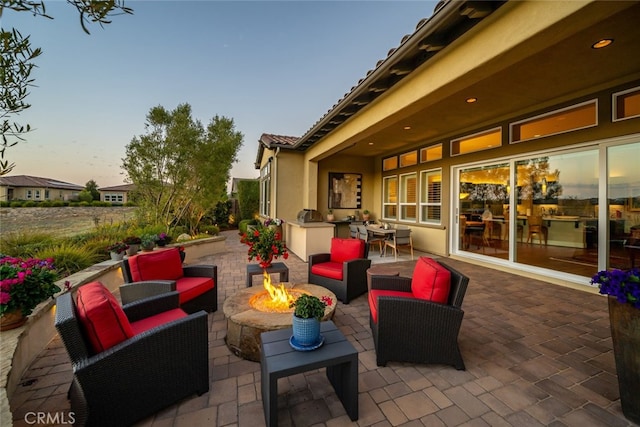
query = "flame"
{"x": 280, "y": 297}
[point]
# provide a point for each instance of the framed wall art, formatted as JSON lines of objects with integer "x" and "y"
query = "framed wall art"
{"x": 345, "y": 190}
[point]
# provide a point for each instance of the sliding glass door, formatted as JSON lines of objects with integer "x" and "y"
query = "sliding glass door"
{"x": 545, "y": 210}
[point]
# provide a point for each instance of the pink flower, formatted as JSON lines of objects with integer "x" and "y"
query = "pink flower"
{"x": 4, "y": 297}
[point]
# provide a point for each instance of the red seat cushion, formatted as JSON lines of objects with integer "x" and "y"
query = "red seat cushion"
{"x": 157, "y": 320}
{"x": 346, "y": 249}
{"x": 101, "y": 317}
{"x": 373, "y": 299}
{"x": 329, "y": 269}
{"x": 431, "y": 281}
{"x": 163, "y": 264}
{"x": 191, "y": 287}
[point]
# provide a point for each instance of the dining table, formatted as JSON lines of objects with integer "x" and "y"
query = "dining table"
{"x": 387, "y": 233}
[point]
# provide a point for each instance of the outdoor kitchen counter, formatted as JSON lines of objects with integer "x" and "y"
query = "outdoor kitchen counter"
{"x": 307, "y": 238}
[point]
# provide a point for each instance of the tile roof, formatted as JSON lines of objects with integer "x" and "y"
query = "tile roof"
{"x": 270, "y": 139}
{"x": 123, "y": 187}
{"x": 35, "y": 181}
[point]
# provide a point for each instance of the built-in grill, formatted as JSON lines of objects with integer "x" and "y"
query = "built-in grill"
{"x": 309, "y": 215}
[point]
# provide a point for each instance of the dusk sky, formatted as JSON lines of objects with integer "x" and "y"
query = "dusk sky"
{"x": 273, "y": 67}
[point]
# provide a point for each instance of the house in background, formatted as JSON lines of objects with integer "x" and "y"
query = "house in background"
{"x": 118, "y": 194}
{"x": 519, "y": 109}
{"x": 25, "y": 187}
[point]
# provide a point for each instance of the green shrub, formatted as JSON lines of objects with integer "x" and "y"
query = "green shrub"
{"x": 211, "y": 230}
{"x": 69, "y": 258}
{"x": 29, "y": 204}
{"x": 25, "y": 244}
{"x": 4, "y": 204}
{"x": 45, "y": 204}
{"x": 57, "y": 203}
{"x": 242, "y": 226}
{"x": 16, "y": 204}
{"x": 100, "y": 203}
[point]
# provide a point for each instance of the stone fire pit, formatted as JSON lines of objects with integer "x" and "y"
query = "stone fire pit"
{"x": 245, "y": 324}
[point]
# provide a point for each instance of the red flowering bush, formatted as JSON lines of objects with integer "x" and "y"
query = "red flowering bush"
{"x": 265, "y": 244}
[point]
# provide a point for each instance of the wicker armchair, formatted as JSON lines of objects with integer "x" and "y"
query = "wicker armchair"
{"x": 139, "y": 376}
{"x": 344, "y": 270}
{"x": 191, "y": 300}
{"x": 409, "y": 329}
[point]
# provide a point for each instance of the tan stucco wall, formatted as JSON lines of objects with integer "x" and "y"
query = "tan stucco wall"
{"x": 20, "y": 193}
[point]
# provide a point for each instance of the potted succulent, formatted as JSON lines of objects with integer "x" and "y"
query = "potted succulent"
{"x": 330, "y": 216}
{"x": 366, "y": 215}
{"x": 24, "y": 283}
{"x": 147, "y": 242}
{"x": 117, "y": 250}
{"x": 134, "y": 244}
{"x": 623, "y": 291}
{"x": 307, "y": 314}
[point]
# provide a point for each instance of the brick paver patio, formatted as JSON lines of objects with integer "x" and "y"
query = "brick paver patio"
{"x": 536, "y": 354}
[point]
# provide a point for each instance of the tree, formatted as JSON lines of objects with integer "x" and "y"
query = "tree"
{"x": 180, "y": 169}
{"x": 18, "y": 61}
{"x": 92, "y": 188}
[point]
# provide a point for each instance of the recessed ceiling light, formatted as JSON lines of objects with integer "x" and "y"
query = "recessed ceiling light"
{"x": 601, "y": 43}
{"x": 371, "y": 143}
{"x": 407, "y": 127}
{"x": 471, "y": 100}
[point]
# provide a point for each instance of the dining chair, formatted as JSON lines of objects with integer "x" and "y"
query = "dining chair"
{"x": 370, "y": 238}
{"x": 537, "y": 228}
{"x": 401, "y": 237}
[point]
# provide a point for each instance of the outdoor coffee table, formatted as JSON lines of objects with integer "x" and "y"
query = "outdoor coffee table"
{"x": 276, "y": 267}
{"x": 278, "y": 359}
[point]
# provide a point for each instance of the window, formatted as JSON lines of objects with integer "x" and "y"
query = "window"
{"x": 409, "y": 159}
{"x": 390, "y": 197}
{"x": 491, "y": 138}
{"x": 430, "y": 196}
{"x": 390, "y": 163}
{"x": 29, "y": 194}
{"x": 559, "y": 121}
{"x": 265, "y": 189}
{"x": 37, "y": 192}
{"x": 408, "y": 197}
{"x": 626, "y": 104}
{"x": 429, "y": 154}
{"x": 46, "y": 194}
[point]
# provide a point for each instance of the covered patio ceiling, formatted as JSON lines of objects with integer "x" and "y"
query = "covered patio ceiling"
{"x": 557, "y": 64}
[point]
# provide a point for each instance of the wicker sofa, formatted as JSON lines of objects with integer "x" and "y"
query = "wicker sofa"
{"x": 344, "y": 270}
{"x": 418, "y": 319}
{"x": 119, "y": 383}
{"x": 160, "y": 271}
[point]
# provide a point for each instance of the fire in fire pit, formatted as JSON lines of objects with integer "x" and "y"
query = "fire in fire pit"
{"x": 250, "y": 312}
{"x": 274, "y": 299}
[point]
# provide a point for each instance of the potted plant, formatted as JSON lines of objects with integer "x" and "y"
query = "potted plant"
{"x": 147, "y": 242}
{"x": 265, "y": 244}
{"x": 134, "y": 244}
{"x": 366, "y": 215}
{"x": 307, "y": 314}
{"x": 117, "y": 250}
{"x": 330, "y": 216}
{"x": 162, "y": 239}
{"x": 623, "y": 290}
{"x": 24, "y": 283}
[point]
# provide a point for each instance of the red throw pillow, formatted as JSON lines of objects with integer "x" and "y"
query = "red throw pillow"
{"x": 101, "y": 317}
{"x": 346, "y": 249}
{"x": 163, "y": 264}
{"x": 431, "y": 281}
